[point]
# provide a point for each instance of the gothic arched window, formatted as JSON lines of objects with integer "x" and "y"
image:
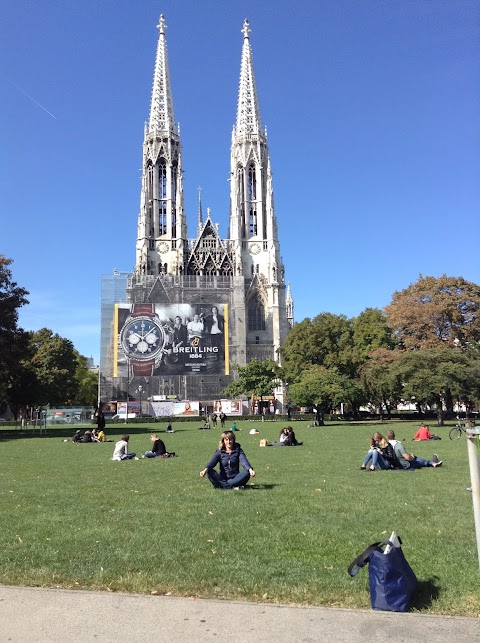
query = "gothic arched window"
{"x": 256, "y": 314}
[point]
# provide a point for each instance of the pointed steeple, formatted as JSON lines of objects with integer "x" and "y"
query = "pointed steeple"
{"x": 162, "y": 117}
{"x": 162, "y": 230}
{"x": 248, "y": 110}
{"x": 200, "y": 212}
{"x": 289, "y": 306}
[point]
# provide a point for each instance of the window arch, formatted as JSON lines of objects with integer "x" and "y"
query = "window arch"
{"x": 256, "y": 314}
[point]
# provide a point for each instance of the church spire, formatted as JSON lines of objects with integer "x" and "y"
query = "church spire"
{"x": 289, "y": 306}
{"x": 162, "y": 117}
{"x": 248, "y": 110}
{"x": 162, "y": 230}
{"x": 200, "y": 212}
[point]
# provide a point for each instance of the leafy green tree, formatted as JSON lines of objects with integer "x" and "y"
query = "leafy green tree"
{"x": 322, "y": 388}
{"x": 86, "y": 383}
{"x": 256, "y": 379}
{"x": 333, "y": 341}
{"x": 54, "y": 363}
{"x": 431, "y": 375}
{"x": 324, "y": 341}
{"x": 370, "y": 332}
{"x": 12, "y": 297}
{"x": 380, "y": 380}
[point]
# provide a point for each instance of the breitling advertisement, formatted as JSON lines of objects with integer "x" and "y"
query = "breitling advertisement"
{"x": 174, "y": 339}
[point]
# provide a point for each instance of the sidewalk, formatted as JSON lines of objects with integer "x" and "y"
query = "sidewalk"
{"x": 33, "y": 615}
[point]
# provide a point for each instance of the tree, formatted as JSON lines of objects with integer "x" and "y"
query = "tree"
{"x": 12, "y": 297}
{"x": 434, "y": 313}
{"x": 370, "y": 332}
{"x": 334, "y": 341}
{"x": 86, "y": 383}
{"x": 54, "y": 363}
{"x": 256, "y": 379}
{"x": 323, "y": 388}
{"x": 381, "y": 382}
{"x": 324, "y": 341}
{"x": 431, "y": 375}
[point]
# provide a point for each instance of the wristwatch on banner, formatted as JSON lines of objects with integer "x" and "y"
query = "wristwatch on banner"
{"x": 143, "y": 339}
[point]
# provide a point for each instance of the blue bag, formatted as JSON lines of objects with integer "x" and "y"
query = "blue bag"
{"x": 392, "y": 580}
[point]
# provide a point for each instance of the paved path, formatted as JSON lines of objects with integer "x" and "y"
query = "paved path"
{"x": 32, "y": 615}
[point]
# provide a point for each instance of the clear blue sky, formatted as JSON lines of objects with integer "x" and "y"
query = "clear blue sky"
{"x": 372, "y": 109}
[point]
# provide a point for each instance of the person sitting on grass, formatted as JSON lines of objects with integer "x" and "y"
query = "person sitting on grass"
{"x": 121, "y": 450}
{"x": 158, "y": 449}
{"x": 290, "y": 439}
{"x": 408, "y": 461}
{"x": 87, "y": 437}
{"x": 423, "y": 433}
{"x": 101, "y": 437}
{"x": 230, "y": 456}
{"x": 169, "y": 428}
{"x": 205, "y": 427}
{"x": 77, "y": 437}
{"x": 381, "y": 454}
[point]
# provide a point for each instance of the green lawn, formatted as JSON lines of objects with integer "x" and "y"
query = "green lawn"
{"x": 72, "y": 518}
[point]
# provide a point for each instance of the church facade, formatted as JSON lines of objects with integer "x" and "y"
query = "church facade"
{"x": 195, "y": 306}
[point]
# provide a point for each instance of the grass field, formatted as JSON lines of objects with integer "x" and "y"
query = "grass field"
{"x": 72, "y": 518}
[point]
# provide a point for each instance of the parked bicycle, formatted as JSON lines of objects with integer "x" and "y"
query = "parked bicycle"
{"x": 458, "y": 429}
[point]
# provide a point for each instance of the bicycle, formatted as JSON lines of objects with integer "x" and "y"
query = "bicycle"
{"x": 458, "y": 429}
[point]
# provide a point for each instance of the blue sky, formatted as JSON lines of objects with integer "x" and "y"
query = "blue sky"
{"x": 372, "y": 110}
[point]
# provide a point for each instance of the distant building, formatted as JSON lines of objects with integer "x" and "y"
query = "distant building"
{"x": 194, "y": 306}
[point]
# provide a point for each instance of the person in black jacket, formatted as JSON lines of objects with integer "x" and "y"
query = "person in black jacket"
{"x": 230, "y": 456}
{"x": 158, "y": 449}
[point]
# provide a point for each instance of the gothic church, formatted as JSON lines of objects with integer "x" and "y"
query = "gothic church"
{"x": 242, "y": 277}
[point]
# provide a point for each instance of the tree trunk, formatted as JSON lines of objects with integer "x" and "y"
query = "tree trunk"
{"x": 440, "y": 421}
{"x": 319, "y": 416}
{"x": 449, "y": 404}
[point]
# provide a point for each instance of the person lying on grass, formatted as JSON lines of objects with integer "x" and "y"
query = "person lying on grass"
{"x": 230, "y": 456}
{"x": 381, "y": 454}
{"x": 407, "y": 460}
{"x": 158, "y": 449}
{"x": 121, "y": 450}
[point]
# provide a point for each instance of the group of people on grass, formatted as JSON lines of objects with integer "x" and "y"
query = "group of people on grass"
{"x": 158, "y": 449}
{"x": 93, "y": 435}
{"x": 389, "y": 453}
{"x": 235, "y": 470}
{"x": 286, "y": 439}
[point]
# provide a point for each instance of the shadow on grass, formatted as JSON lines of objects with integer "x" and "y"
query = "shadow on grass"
{"x": 427, "y": 593}
{"x": 258, "y": 487}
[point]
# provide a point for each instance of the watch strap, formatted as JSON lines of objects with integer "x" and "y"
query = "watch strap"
{"x": 142, "y": 367}
{"x": 143, "y": 310}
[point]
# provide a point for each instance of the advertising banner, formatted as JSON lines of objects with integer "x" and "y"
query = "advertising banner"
{"x": 229, "y": 407}
{"x": 186, "y": 408}
{"x": 172, "y": 339}
{"x": 162, "y": 409}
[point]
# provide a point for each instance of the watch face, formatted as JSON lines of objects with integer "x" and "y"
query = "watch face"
{"x": 254, "y": 248}
{"x": 163, "y": 247}
{"x": 142, "y": 338}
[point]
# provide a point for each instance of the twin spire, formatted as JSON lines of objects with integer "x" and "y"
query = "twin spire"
{"x": 162, "y": 117}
